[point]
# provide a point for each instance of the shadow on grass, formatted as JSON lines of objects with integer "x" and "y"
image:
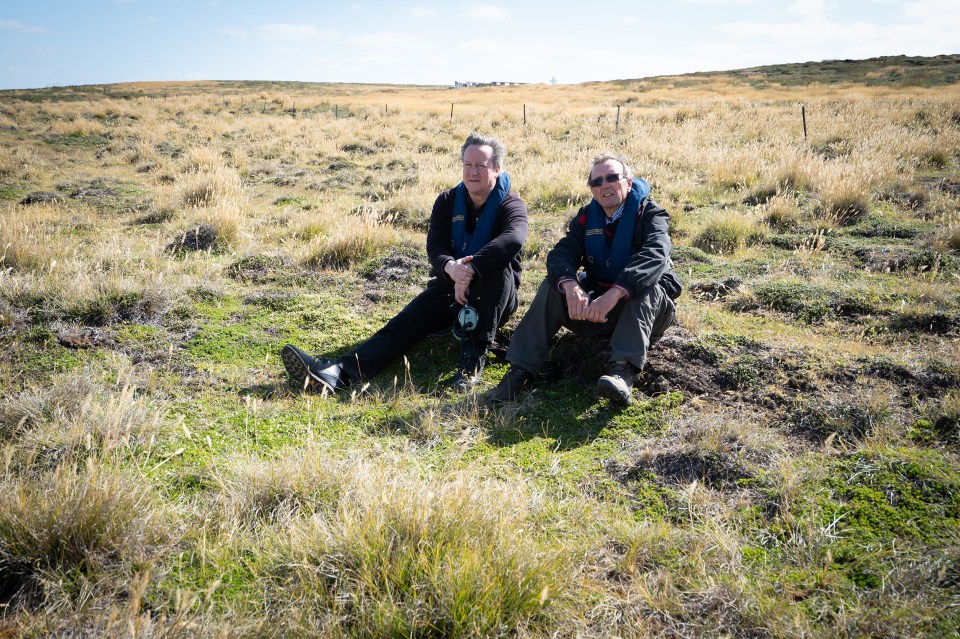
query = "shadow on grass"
{"x": 569, "y": 412}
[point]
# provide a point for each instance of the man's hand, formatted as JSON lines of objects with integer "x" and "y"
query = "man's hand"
{"x": 460, "y": 271}
{"x": 601, "y": 307}
{"x": 462, "y": 274}
{"x": 578, "y": 302}
{"x": 461, "y": 292}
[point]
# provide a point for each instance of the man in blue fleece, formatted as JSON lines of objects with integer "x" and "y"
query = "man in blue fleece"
{"x": 610, "y": 276}
{"x": 476, "y": 232}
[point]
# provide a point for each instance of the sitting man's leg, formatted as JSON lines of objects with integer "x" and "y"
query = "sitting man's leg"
{"x": 427, "y": 313}
{"x": 530, "y": 343}
{"x": 641, "y": 322}
{"x": 495, "y": 302}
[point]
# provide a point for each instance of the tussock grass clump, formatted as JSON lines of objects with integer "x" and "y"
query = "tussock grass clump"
{"x": 782, "y": 212}
{"x": 948, "y": 238}
{"x": 209, "y": 187}
{"x": 346, "y": 241}
{"x": 842, "y": 202}
{"x": 92, "y": 301}
{"x": 850, "y": 419}
{"x": 717, "y": 451}
{"x": 202, "y": 159}
{"x": 79, "y": 128}
{"x": 77, "y": 415}
{"x": 25, "y": 236}
{"x": 215, "y": 193}
{"x": 833, "y": 147}
{"x": 8, "y": 162}
{"x": 727, "y": 235}
{"x": 74, "y": 522}
{"x": 940, "y": 422}
{"x": 298, "y": 484}
{"x": 399, "y": 555}
{"x": 229, "y": 218}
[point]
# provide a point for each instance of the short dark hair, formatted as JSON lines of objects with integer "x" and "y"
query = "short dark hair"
{"x": 607, "y": 155}
{"x": 477, "y": 139}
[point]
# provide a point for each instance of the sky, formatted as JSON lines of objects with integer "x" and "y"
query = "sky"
{"x": 74, "y": 42}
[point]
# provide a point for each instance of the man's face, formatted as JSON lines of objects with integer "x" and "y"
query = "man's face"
{"x": 610, "y": 195}
{"x": 479, "y": 173}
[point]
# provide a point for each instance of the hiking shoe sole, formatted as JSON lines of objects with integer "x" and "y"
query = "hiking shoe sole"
{"x": 306, "y": 371}
{"x": 297, "y": 369}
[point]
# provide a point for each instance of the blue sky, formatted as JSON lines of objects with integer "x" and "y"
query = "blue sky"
{"x": 68, "y": 42}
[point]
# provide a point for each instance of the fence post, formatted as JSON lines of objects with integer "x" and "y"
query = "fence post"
{"x": 618, "y": 120}
{"x": 264, "y": 105}
{"x": 336, "y": 111}
{"x": 524, "y": 114}
{"x": 451, "y": 111}
{"x": 803, "y": 114}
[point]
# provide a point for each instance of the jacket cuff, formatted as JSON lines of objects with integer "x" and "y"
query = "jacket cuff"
{"x": 563, "y": 279}
{"x": 443, "y": 270}
{"x": 626, "y": 292}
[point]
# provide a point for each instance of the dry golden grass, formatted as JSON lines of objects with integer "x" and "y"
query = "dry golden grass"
{"x": 395, "y": 512}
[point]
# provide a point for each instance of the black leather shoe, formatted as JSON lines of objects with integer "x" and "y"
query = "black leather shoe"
{"x": 306, "y": 371}
{"x": 617, "y": 384}
{"x": 515, "y": 381}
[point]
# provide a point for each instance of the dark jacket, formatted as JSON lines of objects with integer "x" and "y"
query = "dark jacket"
{"x": 502, "y": 251}
{"x": 649, "y": 264}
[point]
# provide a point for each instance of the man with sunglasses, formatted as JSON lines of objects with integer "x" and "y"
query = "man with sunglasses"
{"x": 610, "y": 276}
{"x": 473, "y": 243}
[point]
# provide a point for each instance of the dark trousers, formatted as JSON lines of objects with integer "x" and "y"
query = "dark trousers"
{"x": 632, "y": 326}
{"x": 494, "y": 297}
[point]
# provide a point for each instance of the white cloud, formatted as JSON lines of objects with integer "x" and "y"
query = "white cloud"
{"x": 14, "y": 25}
{"x": 485, "y": 12}
{"x": 934, "y": 12}
{"x": 807, "y": 8}
{"x": 396, "y": 41}
{"x": 423, "y": 12}
{"x": 297, "y": 32}
{"x": 631, "y": 20}
{"x": 822, "y": 40}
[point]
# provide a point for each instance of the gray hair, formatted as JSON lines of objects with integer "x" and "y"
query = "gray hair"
{"x": 607, "y": 155}
{"x": 477, "y": 139}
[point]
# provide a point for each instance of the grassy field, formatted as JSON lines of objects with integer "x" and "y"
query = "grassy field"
{"x": 793, "y": 474}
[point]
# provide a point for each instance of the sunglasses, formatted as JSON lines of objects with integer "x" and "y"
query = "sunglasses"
{"x": 609, "y": 177}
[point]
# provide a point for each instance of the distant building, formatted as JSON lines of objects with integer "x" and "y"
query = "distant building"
{"x": 464, "y": 85}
